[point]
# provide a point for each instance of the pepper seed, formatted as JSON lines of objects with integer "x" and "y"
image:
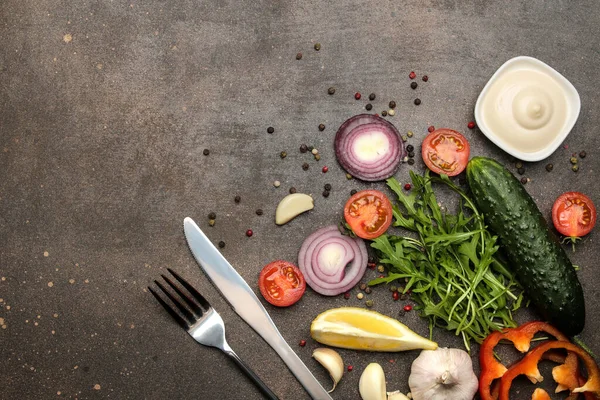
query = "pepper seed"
{"x": 411, "y": 161}
{"x": 321, "y": 127}
{"x": 353, "y": 192}
{"x": 283, "y": 154}
{"x": 573, "y": 160}
{"x": 392, "y": 104}
{"x": 237, "y": 199}
{"x": 317, "y": 157}
{"x": 292, "y": 190}
{"x": 305, "y": 166}
{"x": 417, "y": 102}
{"x": 299, "y": 56}
{"x": 523, "y": 180}
{"x": 360, "y": 296}
{"x": 212, "y": 215}
{"x": 317, "y": 46}
{"x": 410, "y": 134}
{"x": 384, "y": 113}
{"x": 206, "y": 152}
{"x": 410, "y": 148}
{"x": 369, "y": 107}
{"x": 549, "y": 167}
{"x": 221, "y": 244}
{"x": 211, "y": 222}
{"x": 368, "y": 290}
{"x": 327, "y": 186}
{"x": 391, "y": 112}
{"x": 369, "y": 303}
{"x": 331, "y": 90}
{"x": 325, "y": 193}
{"x": 259, "y": 212}
{"x": 276, "y": 184}
{"x": 521, "y": 171}
{"x": 575, "y": 168}
{"x": 315, "y": 151}
{"x": 303, "y": 148}
{"x": 413, "y": 85}
{"x": 404, "y": 138}
{"x": 372, "y": 96}
{"x": 582, "y": 154}
{"x": 270, "y": 129}
{"x": 348, "y": 176}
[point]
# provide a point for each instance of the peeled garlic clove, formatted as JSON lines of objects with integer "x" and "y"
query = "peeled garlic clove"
{"x": 372, "y": 383}
{"x": 332, "y": 362}
{"x": 397, "y": 395}
{"x": 291, "y": 206}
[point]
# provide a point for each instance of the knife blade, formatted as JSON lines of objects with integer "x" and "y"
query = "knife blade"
{"x": 245, "y": 303}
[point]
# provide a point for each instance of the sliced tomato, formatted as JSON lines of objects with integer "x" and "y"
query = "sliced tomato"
{"x": 446, "y": 151}
{"x": 281, "y": 283}
{"x": 369, "y": 213}
{"x": 573, "y": 214}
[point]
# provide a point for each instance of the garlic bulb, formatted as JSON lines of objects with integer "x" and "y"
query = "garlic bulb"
{"x": 372, "y": 383}
{"x": 397, "y": 395}
{"x": 332, "y": 361}
{"x": 442, "y": 374}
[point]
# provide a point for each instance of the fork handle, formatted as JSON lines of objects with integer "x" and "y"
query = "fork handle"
{"x": 259, "y": 383}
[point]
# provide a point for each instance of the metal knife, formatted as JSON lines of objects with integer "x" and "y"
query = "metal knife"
{"x": 245, "y": 303}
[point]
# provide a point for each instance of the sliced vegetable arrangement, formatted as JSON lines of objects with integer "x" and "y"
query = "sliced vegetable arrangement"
{"x": 541, "y": 264}
{"x": 452, "y": 266}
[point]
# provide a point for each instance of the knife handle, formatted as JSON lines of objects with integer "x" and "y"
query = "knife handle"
{"x": 298, "y": 368}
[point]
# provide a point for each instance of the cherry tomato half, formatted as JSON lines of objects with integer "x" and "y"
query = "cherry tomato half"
{"x": 573, "y": 214}
{"x": 369, "y": 213}
{"x": 281, "y": 283}
{"x": 446, "y": 151}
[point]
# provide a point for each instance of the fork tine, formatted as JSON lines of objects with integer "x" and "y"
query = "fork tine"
{"x": 176, "y": 316}
{"x": 184, "y": 296}
{"x": 190, "y": 317}
{"x": 190, "y": 289}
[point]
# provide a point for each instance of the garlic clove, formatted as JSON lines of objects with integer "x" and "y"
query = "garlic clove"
{"x": 332, "y": 362}
{"x": 372, "y": 383}
{"x": 291, "y": 206}
{"x": 397, "y": 395}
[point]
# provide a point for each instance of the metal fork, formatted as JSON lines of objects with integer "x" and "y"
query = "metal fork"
{"x": 203, "y": 323}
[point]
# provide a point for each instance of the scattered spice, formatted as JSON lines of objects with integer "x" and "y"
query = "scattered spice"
{"x": 325, "y": 193}
{"x": 363, "y": 286}
{"x": 417, "y": 102}
{"x": 212, "y": 215}
{"x": 305, "y": 166}
{"x": 283, "y": 154}
{"x": 384, "y": 113}
{"x": 521, "y": 171}
{"x": 573, "y": 160}
{"x": 410, "y": 134}
{"x": 259, "y": 211}
{"x": 549, "y": 167}
{"x": 471, "y": 125}
{"x": 411, "y": 161}
{"x": 360, "y": 296}
{"x": 392, "y": 104}
{"x": 391, "y": 112}
{"x": 299, "y": 56}
{"x": 582, "y": 154}
{"x": 315, "y": 151}
{"x": 221, "y": 244}
{"x": 368, "y": 290}
{"x": 331, "y": 90}
{"x": 325, "y": 169}
{"x": 303, "y": 148}
{"x": 206, "y": 152}
{"x": 317, "y": 157}
{"x": 317, "y": 46}
{"x": 407, "y": 308}
{"x": 371, "y": 265}
{"x": 211, "y": 222}
{"x": 393, "y": 289}
{"x": 270, "y": 129}
{"x": 292, "y": 190}
{"x": 410, "y": 147}
{"x": 411, "y": 154}
{"x": 575, "y": 168}
{"x": 302, "y": 343}
{"x": 249, "y": 232}
{"x": 431, "y": 128}
{"x": 380, "y": 268}
{"x": 404, "y": 138}
{"x": 276, "y": 184}
{"x": 350, "y": 368}
{"x": 347, "y": 295}
{"x": 357, "y": 96}
{"x": 348, "y": 176}
{"x": 327, "y": 186}
{"x": 518, "y": 164}
{"x": 311, "y": 148}
{"x": 353, "y": 192}
{"x": 413, "y": 85}
{"x": 237, "y": 199}
{"x": 321, "y": 127}
{"x": 369, "y": 303}
{"x": 425, "y": 78}
{"x": 369, "y": 107}
{"x": 523, "y": 180}
{"x": 395, "y": 296}
{"x": 407, "y": 186}
{"x": 372, "y": 96}
{"x": 412, "y": 75}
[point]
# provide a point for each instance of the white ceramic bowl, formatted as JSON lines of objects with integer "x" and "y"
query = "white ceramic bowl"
{"x": 571, "y": 97}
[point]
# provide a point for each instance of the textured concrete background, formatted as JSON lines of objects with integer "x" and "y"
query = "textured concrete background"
{"x": 106, "y": 107}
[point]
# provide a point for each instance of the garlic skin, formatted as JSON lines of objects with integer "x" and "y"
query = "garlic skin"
{"x": 443, "y": 374}
{"x": 372, "y": 383}
{"x": 332, "y": 362}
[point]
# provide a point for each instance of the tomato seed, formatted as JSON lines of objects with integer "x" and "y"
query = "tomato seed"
{"x": 407, "y": 308}
{"x": 357, "y": 96}
{"x": 431, "y": 128}
{"x": 471, "y": 125}
{"x": 249, "y": 232}
{"x": 412, "y": 75}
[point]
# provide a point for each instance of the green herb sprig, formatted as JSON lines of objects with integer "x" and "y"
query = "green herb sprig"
{"x": 451, "y": 266}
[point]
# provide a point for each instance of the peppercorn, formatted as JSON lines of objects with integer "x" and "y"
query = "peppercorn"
{"x": 360, "y": 296}
{"x": 380, "y": 268}
{"x": 276, "y": 184}
{"x": 391, "y": 112}
{"x": 575, "y": 168}
{"x": 331, "y": 90}
{"x": 404, "y": 138}
{"x": 299, "y": 56}
{"x": 393, "y": 289}
{"x": 317, "y": 46}
{"x": 521, "y": 171}
{"x": 549, "y": 167}
{"x": 409, "y": 134}
{"x": 259, "y": 212}
{"x": 292, "y": 190}
{"x": 413, "y": 85}
{"x": 237, "y": 199}
{"x": 350, "y": 368}
{"x": 357, "y": 96}
{"x": 315, "y": 151}
{"x": 305, "y": 166}
{"x": 353, "y": 192}
{"x": 303, "y": 148}
{"x": 573, "y": 160}
{"x": 321, "y": 127}
{"x": 369, "y": 303}
{"x": 270, "y": 129}
{"x": 206, "y": 152}
{"x": 407, "y": 308}
{"x": 425, "y": 78}
{"x": 471, "y": 125}
{"x": 325, "y": 169}
{"x": 317, "y": 157}
{"x": 392, "y": 104}
{"x": 347, "y": 295}
{"x": 221, "y": 244}
{"x": 311, "y": 148}
{"x": 371, "y": 265}
{"x": 431, "y": 128}
{"x": 372, "y": 96}
{"x": 523, "y": 180}
{"x": 348, "y": 176}
{"x": 411, "y": 161}
{"x": 411, "y": 154}
{"x": 384, "y": 113}
{"x": 302, "y": 343}
{"x": 363, "y": 286}
{"x": 283, "y": 154}
{"x": 249, "y": 232}
{"x": 417, "y": 102}
{"x": 582, "y": 154}
{"x": 211, "y": 222}
{"x": 367, "y": 290}
{"x": 325, "y": 193}
{"x": 410, "y": 148}
{"x": 407, "y": 186}
{"x": 395, "y": 296}
{"x": 518, "y": 164}
{"x": 412, "y": 75}
{"x": 369, "y": 107}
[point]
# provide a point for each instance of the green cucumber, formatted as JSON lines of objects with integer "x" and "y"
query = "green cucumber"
{"x": 540, "y": 263}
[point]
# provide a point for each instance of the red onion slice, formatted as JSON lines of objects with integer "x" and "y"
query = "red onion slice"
{"x": 345, "y": 261}
{"x": 369, "y": 147}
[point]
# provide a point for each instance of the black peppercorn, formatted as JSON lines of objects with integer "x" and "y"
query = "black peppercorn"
{"x": 206, "y": 152}
{"x": 221, "y": 244}
{"x": 327, "y": 186}
{"x": 523, "y": 180}
{"x": 311, "y": 148}
{"x": 353, "y": 192}
{"x": 413, "y": 85}
{"x": 305, "y": 166}
{"x": 582, "y": 154}
{"x": 410, "y": 147}
{"x": 331, "y": 90}
{"x": 259, "y": 212}
{"x": 270, "y": 129}
{"x": 292, "y": 190}
{"x": 411, "y": 154}
{"x": 417, "y": 102}
{"x": 325, "y": 193}
{"x": 212, "y": 215}
{"x": 303, "y": 148}
{"x": 363, "y": 286}
{"x": 372, "y": 96}
{"x": 392, "y": 104}
{"x": 367, "y": 290}
{"x": 237, "y": 199}
{"x": 321, "y": 127}
{"x": 384, "y": 113}
{"x": 521, "y": 171}
{"x": 299, "y": 56}
{"x": 549, "y": 167}
{"x": 369, "y": 107}
{"x": 411, "y": 161}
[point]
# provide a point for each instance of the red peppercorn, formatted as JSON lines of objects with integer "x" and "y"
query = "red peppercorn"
{"x": 431, "y": 128}
{"x": 249, "y": 232}
{"x": 350, "y": 368}
{"x": 395, "y": 296}
{"x": 407, "y": 307}
{"x": 302, "y": 343}
{"x": 347, "y": 295}
{"x": 471, "y": 125}
{"x": 325, "y": 169}
{"x": 425, "y": 78}
{"x": 407, "y": 186}
{"x": 371, "y": 265}
{"x": 357, "y": 96}
{"x": 412, "y": 75}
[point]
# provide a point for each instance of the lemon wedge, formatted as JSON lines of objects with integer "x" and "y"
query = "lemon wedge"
{"x": 359, "y": 329}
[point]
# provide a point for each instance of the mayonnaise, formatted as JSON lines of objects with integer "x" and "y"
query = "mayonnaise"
{"x": 526, "y": 108}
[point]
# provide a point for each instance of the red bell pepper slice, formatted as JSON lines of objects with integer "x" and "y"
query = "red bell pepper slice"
{"x": 529, "y": 366}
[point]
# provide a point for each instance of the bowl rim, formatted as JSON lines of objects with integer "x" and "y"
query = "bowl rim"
{"x": 572, "y": 98}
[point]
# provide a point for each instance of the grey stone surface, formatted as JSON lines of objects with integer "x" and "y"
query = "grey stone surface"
{"x": 106, "y": 107}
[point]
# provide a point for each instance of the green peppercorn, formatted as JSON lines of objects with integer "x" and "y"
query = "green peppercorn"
{"x": 409, "y": 134}
{"x": 380, "y": 268}
{"x": 518, "y": 164}
{"x": 573, "y": 160}
{"x": 211, "y": 222}
{"x": 369, "y": 303}
{"x": 317, "y": 46}
{"x": 331, "y": 90}
{"x": 393, "y": 289}
{"x": 575, "y": 168}
{"x": 403, "y": 296}
{"x": 311, "y": 148}
{"x": 317, "y": 157}
{"x": 348, "y": 176}
{"x": 404, "y": 138}
{"x": 283, "y": 154}
{"x": 549, "y": 167}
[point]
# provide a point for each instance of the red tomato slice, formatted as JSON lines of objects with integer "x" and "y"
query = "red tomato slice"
{"x": 573, "y": 214}
{"x": 369, "y": 213}
{"x": 446, "y": 151}
{"x": 281, "y": 283}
